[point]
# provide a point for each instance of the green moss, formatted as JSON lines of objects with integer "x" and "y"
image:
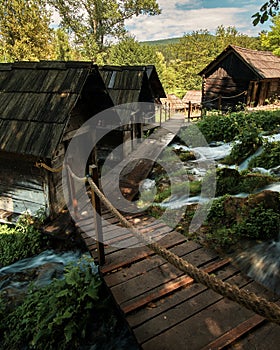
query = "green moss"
{"x": 231, "y": 219}
{"x": 269, "y": 158}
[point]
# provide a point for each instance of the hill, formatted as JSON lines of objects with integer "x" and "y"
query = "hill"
{"x": 161, "y": 42}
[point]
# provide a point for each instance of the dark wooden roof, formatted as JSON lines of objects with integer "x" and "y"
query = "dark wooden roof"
{"x": 36, "y": 99}
{"x": 264, "y": 64}
{"x": 124, "y": 83}
{"x": 157, "y": 88}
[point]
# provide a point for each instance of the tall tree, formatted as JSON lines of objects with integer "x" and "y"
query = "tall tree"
{"x": 94, "y": 22}
{"x": 130, "y": 52}
{"x": 271, "y": 40}
{"x": 24, "y": 30}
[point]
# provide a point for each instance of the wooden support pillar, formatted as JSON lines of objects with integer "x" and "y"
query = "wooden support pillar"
{"x": 220, "y": 103}
{"x": 189, "y": 111}
{"x": 93, "y": 172}
{"x": 71, "y": 187}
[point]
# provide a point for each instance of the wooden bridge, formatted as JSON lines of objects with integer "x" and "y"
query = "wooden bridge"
{"x": 164, "y": 308}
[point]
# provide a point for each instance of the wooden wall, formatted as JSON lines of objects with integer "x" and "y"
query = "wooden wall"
{"x": 22, "y": 185}
{"x": 229, "y": 79}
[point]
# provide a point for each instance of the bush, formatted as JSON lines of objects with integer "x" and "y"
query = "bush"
{"x": 56, "y": 316}
{"x": 247, "y": 143}
{"x": 226, "y": 127}
{"x": 269, "y": 158}
{"x": 232, "y": 219}
{"x": 20, "y": 241}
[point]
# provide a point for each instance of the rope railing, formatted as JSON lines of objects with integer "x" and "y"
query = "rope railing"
{"x": 264, "y": 308}
{"x": 259, "y": 305}
{"x": 226, "y": 97}
{"x": 45, "y": 166}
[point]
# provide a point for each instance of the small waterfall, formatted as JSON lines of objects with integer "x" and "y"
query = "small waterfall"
{"x": 40, "y": 269}
{"x": 261, "y": 262}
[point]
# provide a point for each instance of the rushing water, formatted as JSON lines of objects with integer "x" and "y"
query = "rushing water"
{"x": 259, "y": 260}
{"x": 40, "y": 270}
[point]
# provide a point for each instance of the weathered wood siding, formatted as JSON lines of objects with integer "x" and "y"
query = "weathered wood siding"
{"x": 231, "y": 78}
{"x": 22, "y": 186}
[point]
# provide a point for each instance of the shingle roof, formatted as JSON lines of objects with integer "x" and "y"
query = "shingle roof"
{"x": 263, "y": 63}
{"x": 124, "y": 83}
{"x": 194, "y": 96}
{"x": 174, "y": 101}
{"x": 36, "y": 99}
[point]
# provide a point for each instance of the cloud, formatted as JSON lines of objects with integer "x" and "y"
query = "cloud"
{"x": 179, "y": 17}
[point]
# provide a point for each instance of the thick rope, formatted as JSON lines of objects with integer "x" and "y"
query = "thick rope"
{"x": 45, "y": 166}
{"x": 76, "y": 177}
{"x": 266, "y": 309}
{"x": 225, "y": 97}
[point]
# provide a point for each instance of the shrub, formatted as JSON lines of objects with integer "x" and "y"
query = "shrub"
{"x": 232, "y": 219}
{"x": 247, "y": 143}
{"x": 56, "y": 316}
{"x": 269, "y": 158}
{"x": 20, "y": 241}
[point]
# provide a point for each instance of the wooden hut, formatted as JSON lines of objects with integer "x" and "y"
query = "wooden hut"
{"x": 42, "y": 104}
{"x": 133, "y": 84}
{"x": 240, "y": 76}
{"x": 194, "y": 97}
{"x": 174, "y": 103}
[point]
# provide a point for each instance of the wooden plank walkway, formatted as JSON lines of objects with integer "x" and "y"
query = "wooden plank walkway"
{"x": 166, "y": 309}
{"x": 137, "y": 165}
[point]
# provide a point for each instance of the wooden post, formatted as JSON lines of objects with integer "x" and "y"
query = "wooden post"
{"x": 72, "y": 191}
{"x": 220, "y": 103}
{"x": 189, "y": 111}
{"x": 93, "y": 172}
{"x": 169, "y": 111}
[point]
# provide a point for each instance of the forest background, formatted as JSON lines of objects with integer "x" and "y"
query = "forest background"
{"x": 94, "y": 30}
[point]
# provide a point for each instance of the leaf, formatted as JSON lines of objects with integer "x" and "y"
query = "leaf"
{"x": 62, "y": 293}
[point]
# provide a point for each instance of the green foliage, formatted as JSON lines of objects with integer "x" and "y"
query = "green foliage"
{"x": 230, "y": 181}
{"x": 269, "y": 158}
{"x": 236, "y": 223}
{"x": 259, "y": 224}
{"x": 267, "y": 10}
{"x": 21, "y": 241}
{"x": 226, "y": 127}
{"x": 24, "y": 30}
{"x": 131, "y": 52}
{"x": 94, "y": 22}
{"x": 186, "y": 57}
{"x": 247, "y": 143}
{"x": 271, "y": 40}
{"x": 57, "y": 316}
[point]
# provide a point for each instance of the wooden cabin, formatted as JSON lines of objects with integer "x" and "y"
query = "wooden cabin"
{"x": 42, "y": 105}
{"x": 193, "y": 97}
{"x": 174, "y": 103}
{"x": 240, "y": 76}
{"x": 129, "y": 85}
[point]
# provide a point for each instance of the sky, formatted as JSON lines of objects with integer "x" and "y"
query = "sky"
{"x": 180, "y": 17}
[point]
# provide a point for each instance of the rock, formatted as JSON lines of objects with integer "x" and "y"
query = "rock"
{"x": 269, "y": 200}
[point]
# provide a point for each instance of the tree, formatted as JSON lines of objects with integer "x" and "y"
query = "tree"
{"x": 94, "y": 22}
{"x": 271, "y": 40}
{"x": 268, "y": 9}
{"x": 24, "y": 30}
{"x": 231, "y": 36}
{"x": 130, "y": 52}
